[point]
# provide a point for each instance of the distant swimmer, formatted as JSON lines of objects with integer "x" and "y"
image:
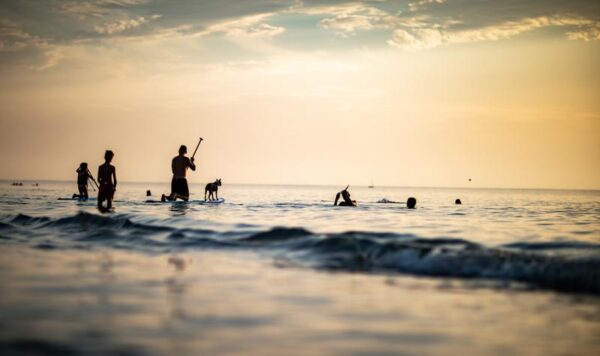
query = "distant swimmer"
{"x": 179, "y": 184}
{"x": 83, "y": 175}
{"x": 148, "y": 193}
{"x": 346, "y": 200}
{"x": 457, "y": 202}
{"x": 411, "y": 203}
{"x": 107, "y": 179}
{"x": 387, "y": 201}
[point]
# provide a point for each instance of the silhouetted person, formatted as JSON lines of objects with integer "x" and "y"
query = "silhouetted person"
{"x": 457, "y": 202}
{"x": 346, "y": 200}
{"x": 148, "y": 193}
{"x": 179, "y": 184}
{"x": 83, "y": 174}
{"x": 107, "y": 179}
{"x": 411, "y": 203}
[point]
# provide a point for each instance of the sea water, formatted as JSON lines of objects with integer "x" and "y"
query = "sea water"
{"x": 279, "y": 269}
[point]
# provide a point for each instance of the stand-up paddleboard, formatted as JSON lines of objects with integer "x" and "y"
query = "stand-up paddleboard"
{"x": 200, "y": 202}
{"x": 79, "y": 199}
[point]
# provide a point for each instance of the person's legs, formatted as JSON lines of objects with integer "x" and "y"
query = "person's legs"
{"x": 84, "y": 192}
{"x": 179, "y": 189}
{"x": 173, "y": 195}
{"x": 110, "y": 194}
{"x": 101, "y": 195}
{"x": 184, "y": 190}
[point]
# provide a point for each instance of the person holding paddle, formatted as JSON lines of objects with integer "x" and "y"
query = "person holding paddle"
{"x": 83, "y": 175}
{"x": 179, "y": 166}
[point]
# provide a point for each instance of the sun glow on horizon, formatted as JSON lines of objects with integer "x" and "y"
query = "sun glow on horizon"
{"x": 402, "y": 93}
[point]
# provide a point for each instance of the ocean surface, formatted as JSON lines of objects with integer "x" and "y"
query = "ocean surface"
{"x": 279, "y": 269}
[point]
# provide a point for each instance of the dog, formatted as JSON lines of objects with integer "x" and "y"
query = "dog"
{"x": 212, "y": 188}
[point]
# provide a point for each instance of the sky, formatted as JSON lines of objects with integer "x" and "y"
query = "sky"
{"x": 396, "y": 93}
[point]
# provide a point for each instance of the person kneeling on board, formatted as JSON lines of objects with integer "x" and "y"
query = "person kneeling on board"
{"x": 179, "y": 185}
{"x": 346, "y": 200}
{"x": 83, "y": 175}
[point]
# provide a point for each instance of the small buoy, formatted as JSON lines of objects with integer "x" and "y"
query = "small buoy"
{"x": 411, "y": 203}
{"x": 457, "y": 202}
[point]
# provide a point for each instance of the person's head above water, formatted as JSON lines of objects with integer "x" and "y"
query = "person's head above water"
{"x": 108, "y": 155}
{"x": 411, "y": 203}
{"x": 182, "y": 150}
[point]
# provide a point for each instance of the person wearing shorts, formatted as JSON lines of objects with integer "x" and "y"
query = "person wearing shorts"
{"x": 179, "y": 184}
{"x": 107, "y": 178}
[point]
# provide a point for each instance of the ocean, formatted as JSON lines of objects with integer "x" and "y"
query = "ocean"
{"x": 279, "y": 269}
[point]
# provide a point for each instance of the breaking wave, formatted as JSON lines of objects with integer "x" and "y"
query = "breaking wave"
{"x": 543, "y": 264}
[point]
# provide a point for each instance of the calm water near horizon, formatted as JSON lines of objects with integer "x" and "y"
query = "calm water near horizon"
{"x": 278, "y": 269}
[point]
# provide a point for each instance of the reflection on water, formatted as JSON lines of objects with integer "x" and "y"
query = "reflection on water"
{"x": 179, "y": 208}
{"x": 223, "y": 302}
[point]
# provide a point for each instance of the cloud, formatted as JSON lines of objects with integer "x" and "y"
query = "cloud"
{"x": 417, "y": 5}
{"x": 590, "y": 33}
{"x": 245, "y": 27}
{"x": 94, "y": 9}
{"x": 419, "y": 37}
{"x": 348, "y": 18}
{"x": 431, "y": 23}
{"x": 53, "y": 55}
{"x": 110, "y": 28}
{"x": 13, "y": 38}
{"x": 30, "y": 29}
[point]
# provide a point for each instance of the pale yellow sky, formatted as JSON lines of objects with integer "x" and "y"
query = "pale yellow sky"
{"x": 508, "y": 102}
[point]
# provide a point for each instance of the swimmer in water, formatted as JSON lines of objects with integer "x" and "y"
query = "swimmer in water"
{"x": 346, "y": 200}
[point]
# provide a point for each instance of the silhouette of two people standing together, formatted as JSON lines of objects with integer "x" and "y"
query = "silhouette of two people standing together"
{"x": 107, "y": 182}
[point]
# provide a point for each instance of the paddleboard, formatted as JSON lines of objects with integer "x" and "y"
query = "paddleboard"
{"x": 200, "y": 202}
{"x": 79, "y": 199}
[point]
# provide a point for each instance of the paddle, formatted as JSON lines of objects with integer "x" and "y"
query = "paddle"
{"x": 93, "y": 180}
{"x": 198, "y": 145}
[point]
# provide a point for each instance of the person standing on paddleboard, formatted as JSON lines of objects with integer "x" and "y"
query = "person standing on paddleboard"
{"x": 179, "y": 184}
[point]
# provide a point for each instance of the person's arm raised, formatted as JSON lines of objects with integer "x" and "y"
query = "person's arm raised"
{"x": 192, "y": 165}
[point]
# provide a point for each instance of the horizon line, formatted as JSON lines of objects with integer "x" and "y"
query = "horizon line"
{"x": 320, "y": 185}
